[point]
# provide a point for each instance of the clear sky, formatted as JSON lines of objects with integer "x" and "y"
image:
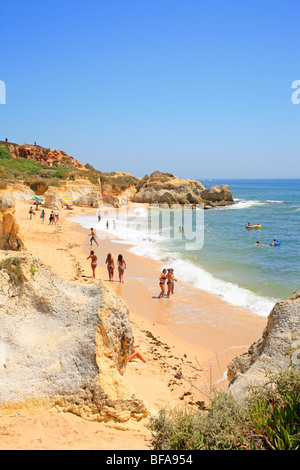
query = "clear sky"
{"x": 201, "y": 89}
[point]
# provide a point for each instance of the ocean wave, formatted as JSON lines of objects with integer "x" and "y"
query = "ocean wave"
{"x": 247, "y": 204}
{"x": 186, "y": 271}
{"x": 146, "y": 245}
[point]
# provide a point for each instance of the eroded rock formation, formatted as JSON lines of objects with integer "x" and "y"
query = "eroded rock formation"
{"x": 43, "y": 155}
{"x": 63, "y": 345}
{"x": 81, "y": 193}
{"x": 279, "y": 348}
{"x": 165, "y": 188}
{"x": 10, "y": 235}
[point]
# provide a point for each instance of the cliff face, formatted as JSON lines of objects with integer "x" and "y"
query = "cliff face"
{"x": 81, "y": 193}
{"x": 10, "y": 235}
{"x": 63, "y": 345}
{"x": 279, "y": 347}
{"x": 165, "y": 188}
{"x": 42, "y": 155}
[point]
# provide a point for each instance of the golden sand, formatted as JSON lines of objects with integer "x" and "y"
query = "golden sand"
{"x": 184, "y": 359}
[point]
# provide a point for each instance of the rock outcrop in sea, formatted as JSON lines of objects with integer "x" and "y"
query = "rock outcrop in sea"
{"x": 278, "y": 348}
{"x": 63, "y": 345}
{"x": 165, "y": 188}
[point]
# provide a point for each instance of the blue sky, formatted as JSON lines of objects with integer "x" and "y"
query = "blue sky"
{"x": 199, "y": 89}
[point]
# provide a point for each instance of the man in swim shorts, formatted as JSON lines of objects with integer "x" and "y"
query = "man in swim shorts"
{"x": 93, "y": 237}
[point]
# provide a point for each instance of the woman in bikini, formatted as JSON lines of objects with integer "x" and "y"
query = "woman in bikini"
{"x": 162, "y": 282}
{"x": 110, "y": 266}
{"x": 93, "y": 259}
{"x": 173, "y": 281}
{"x": 121, "y": 267}
{"x": 170, "y": 282}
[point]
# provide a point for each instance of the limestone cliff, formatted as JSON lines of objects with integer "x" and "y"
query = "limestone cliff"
{"x": 81, "y": 193}
{"x": 165, "y": 188}
{"x": 279, "y": 347}
{"x": 63, "y": 345}
{"x": 10, "y": 235}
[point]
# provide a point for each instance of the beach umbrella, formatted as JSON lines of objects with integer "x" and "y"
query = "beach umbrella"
{"x": 36, "y": 198}
{"x": 67, "y": 198}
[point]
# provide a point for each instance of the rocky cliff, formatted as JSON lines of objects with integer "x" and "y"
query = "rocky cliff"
{"x": 81, "y": 193}
{"x": 277, "y": 349}
{"x": 165, "y": 188}
{"x": 45, "y": 156}
{"x": 10, "y": 235}
{"x": 63, "y": 345}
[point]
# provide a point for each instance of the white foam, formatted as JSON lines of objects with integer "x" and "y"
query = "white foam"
{"x": 145, "y": 244}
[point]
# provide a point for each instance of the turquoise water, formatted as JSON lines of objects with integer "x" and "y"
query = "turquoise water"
{"x": 229, "y": 264}
{"x": 229, "y": 252}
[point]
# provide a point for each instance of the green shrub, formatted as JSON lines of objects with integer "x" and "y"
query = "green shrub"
{"x": 268, "y": 418}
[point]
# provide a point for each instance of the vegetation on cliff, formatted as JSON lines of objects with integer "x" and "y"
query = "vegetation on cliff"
{"x": 39, "y": 175}
{"x": 267, "y": 419}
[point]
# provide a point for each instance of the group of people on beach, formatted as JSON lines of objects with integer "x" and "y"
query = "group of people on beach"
{"x": 53, "y": 217}
{"x": 167, "y": 276}
{"x": 110, "y": 264}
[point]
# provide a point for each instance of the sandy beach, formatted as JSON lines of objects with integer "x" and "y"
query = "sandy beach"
{"x": 184, "y": 360}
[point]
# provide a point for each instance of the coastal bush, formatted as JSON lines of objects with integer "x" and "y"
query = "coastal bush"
{"x": 267, "y": 418}
{"x": 13, "y": 268}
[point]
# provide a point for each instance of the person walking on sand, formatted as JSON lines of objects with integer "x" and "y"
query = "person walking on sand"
{"x": 162, "y": 282}
{"x": 93, "y": 237}
{"x": 93, "y": 259}
{"x": 56, "y": 216}
{"x": 43, "y": 215}
{"x": 121, "y": 267}
{"x": 30, "y": 213}
{"x": 110, "y": 266}
{"x": 52, "y": 218}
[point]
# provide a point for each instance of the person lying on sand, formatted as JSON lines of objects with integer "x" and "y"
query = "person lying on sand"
{"x": 93, "y": 258}
{"x": 162, "y": 282}
{"x": 134, "y": 354}
{"x": 110, "y": 266}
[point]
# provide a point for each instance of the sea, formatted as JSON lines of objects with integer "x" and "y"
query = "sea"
{"x": 213, "y": 250}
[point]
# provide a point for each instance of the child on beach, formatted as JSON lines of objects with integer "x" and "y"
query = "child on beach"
{"x": 93, "y": 259}
{"x": 93, "y": 237}
{"x": 43, "y": 215}
{"x": 162, "y": 282}
{"x": 110, "y": 266}
{"x": 121, "y": 267}
{"x": 30, "y": 213}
